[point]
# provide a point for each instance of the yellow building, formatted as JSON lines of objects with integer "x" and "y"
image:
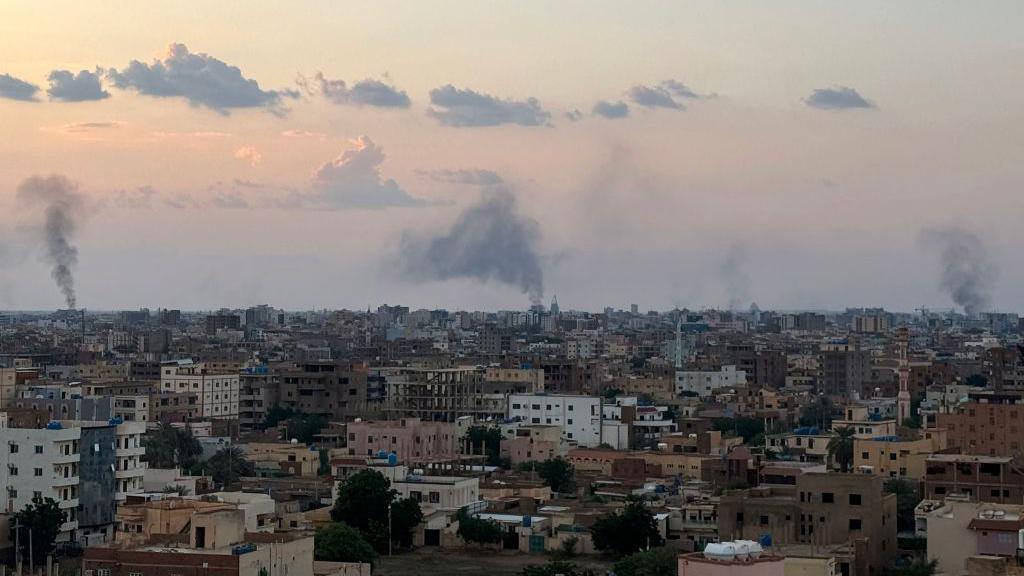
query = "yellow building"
{"x": 894, "y": 458}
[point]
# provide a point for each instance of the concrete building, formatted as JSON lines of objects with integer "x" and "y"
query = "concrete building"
{"x": 699, "y": 564}
{"x": 957, "y": 529}
{"x": 990, "y": 424}
{"x": 891, "y": 457}
{"x": 704, "y": 382}
{"x": 411, "y": 439}
{"x": 447, "y": 493}
{"x": 579, "y": 416}
{"x": 216, "y": 391}
{"x": 975, "y": 478}
{"x": 843, "y": 368}
{"x": 820, "y": 509}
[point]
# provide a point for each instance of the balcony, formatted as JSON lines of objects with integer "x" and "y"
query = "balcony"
{"x": 68, "y": 504}
{"x": 131, "y": 472}
{"x": 125, "y": 452}
{"x": 67, "y": 458}
{"x": 65, "y": 481}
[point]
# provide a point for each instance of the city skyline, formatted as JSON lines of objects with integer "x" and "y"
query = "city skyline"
{"x": 463, "y": 156}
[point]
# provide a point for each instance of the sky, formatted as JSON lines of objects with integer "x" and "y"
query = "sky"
{"x": 483, "y": 155}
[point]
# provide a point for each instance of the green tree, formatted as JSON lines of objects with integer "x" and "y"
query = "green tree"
{"x": 818, "y": 413}
{"x": 558, "y": 474}
{"x": 611, "y": 393}
{"x": 171, "y": 447}
{"x": 978, "y": 380}
{"x": 305, "y": 427}
{"x": 840, "y": 447}
{"x": 630, "y": 530}
{"x": 654, "y": 562}
{"x": 363, "y": 502}
{"x": 478, "y": 531}
{"x": 744, "y": 426}
{"x": 908, "y": 496}
{"x": 277, "y": 414}
{"x": 228, "y": 465}
{"x": 485, "y": 440}
{"x": 556, "y": 568}
{"x": 43, "y": 518}
{"x": 339, "y": 542}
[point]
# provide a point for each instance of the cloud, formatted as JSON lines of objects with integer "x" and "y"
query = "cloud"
{"x": 67, "y": 86}
{"x": 303, "y": 134}
{"x": 353, "y": 180}
{"x": 489, "y": 241}
{"x": 367, "y": 92}
{"x": 138, "y": 199}
{"x": 16, "y": 89}
{"x": 466, "y": 177}
{"x": 204, "y": 134}
{"x": 609, "y": 110}
{"x": 200, "y": 79}
{"x": 837, "y": 98}
{"x": 574, "y": 115}
{"x": 664, "y": 95}
{"x": 84, "y": 127}
{"x": 249, "y": 154}
{"x": 466, "y": 108}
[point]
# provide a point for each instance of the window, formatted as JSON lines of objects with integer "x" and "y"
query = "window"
{"x": 854, "y": 523}
{"x": 764, "y": 520}
{"x": 39, "y": 449}
{"x": 827, "y": 498}
{"x": 13, "y": 470}
{"x": 435, "y": 497}
{"x": 416, "y": 495}
{"x": 14, "y": 448}
{"x": 863, "y": 455}
{"x": 854, "y": 499}
{"x": 739, "y": 517}
{"x": 39, "y": 472}
{"x": 892, "y": 456}
{"x": 515, "y": 406}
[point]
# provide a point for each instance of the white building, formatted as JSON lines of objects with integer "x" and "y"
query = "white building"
{"x": 448, "y": 493}
{"x": 579, "y": 416}
{"x": 703, "y": 383}
{"x": 217, "y": 392}
{"x": 41, "y": 462}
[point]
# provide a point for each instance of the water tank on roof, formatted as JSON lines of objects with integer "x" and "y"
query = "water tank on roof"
{"x": 116, "y": 421}
{"x": 392, "y": 459}
{"x": 54, "y": 425}
{"x": 765, "y": 540}
{"x": 382, "y": 454}
{"x": 527, "y": 521}
{"x": 721, "y": 551}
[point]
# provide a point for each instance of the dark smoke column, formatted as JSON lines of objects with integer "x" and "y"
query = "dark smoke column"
{"x": 967, "y": 271}
{"x": 61, "y": 204}
{"x": 490, "y": 240}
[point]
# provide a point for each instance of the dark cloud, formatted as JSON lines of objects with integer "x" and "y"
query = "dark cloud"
{"x": 367, "y": 92}
{"x": 67, "y": 86}
{"x": 968, "y": 272}
{"x": 16, "y": 89}
{"x": 837, "y": 98}
{"x": 489, "y": 241}
{"x": 467, "y": 177}
{"x": 466, "y": 108}
{"x": 574, "y": 115}
{"x": 609, "y": 110}
{"x": 200, "y": 79}
{"x": 353, "y": 180}
{"x": 664, "y": 95}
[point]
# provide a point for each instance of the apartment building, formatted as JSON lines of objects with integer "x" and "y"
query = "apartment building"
{"x": 217, "y": 392}
{"x": 704, "y": 382}
{"x": 412, "y": 440}
{"x": 259, "y": 391}
{"x": 579, "y": 416}
{"x": 334, "y": 390}
{"x": 843, "y": 368}
{"x": 892, "y": 457}
{"x": 976, "y": 478}
{"x": 820, "y": 509}
{"x": 990, "y": 424}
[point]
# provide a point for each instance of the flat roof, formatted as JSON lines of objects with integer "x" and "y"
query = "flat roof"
{"x": 969, "y": 458}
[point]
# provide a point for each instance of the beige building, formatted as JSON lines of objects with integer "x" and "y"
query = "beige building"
{"x": 895, "y": 458}
{"x": 296, "y": 459}
{"x": 957, "y": 529}
{"x": 217, "y": 392}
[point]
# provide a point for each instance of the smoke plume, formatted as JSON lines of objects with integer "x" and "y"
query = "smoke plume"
{"x": 967, "y": 270}
{"x": 735, "y": 278}
{"x": 61, "y": 205}
{"x": 490, "y": 240}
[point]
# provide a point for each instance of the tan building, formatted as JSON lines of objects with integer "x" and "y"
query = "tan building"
{"x": 411, "y": 439}
{"x": 957, "y": 529}
{"x": 895, "y": 458}
{"x": 296, "y": 459}
{"x": 217, "y": 392}
{"x": 988, "y": 424}
{"x": 534, "y": 443}
{"x": 761, "y": 564}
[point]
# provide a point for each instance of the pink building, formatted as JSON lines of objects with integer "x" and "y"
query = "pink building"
{"x": 697, "y": 564}
{"x": 412, "y": 440}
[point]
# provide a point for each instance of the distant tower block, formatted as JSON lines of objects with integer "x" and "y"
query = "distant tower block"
{"x": 554, "y": 305}
{"x": 903, "y": 371}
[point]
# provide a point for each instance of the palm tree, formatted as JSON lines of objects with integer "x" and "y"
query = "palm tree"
{"x": 840, "y": 447}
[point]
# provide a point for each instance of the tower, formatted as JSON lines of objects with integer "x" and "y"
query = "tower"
{"x": 554, "y": 305}
{"x": 903, "y": 371}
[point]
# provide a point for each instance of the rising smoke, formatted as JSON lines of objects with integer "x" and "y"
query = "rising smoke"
{"x": 967, "y": 271}
{"x": 61, "y": 205}
{"x": 734, "y": 276}
{"x": 490, "y": 240}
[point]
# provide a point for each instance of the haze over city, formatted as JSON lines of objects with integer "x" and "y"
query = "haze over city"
{"x": 800, "y": 155}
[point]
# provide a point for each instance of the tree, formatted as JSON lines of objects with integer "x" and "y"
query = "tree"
{"x": 744, "y": 426}
{"x": 817, "y": 413}
{"x": 339, "y": 542}
{"x": 917, "y": 568}
{"x": 485, "y": 440}
{"x": 43, "y": 518}
{"x": 840, "y": 447}
{"x": 305, "y": 427}
{"x": 978, "y": 380}
{"x": 228, "y": 465}
{"x": 476, "y": 530}
{"x": 556, "y": 568}
{"x": 363, "y": 502}
{"x": 558, "y": 474}
{"x": 611, "y": 393}
{"x": 628, "y": 531}
{"x": 170, "y": 447}
{"x": 276, "y": 415}
{"x": 907, "y": 498}
{"x": 568, "y": 547}
{"x": 654, "y": 562}
{"x": 176, "y": 489}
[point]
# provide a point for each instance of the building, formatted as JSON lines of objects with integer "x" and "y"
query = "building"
{"x": 957, "y": 529}
{"x": 735, "y": 564}
{"x": 334, "y": 390}
{"x": 892, "y": 457}
{"x": 216, "y": 391}
{"x": 447, "y": 493}
{"x": 975, "y": 478}
{"x": 988, "y": 424}
{"x": 412, "y": 440}
{"x": 843, "y": 368}
{"x": 821, "y": 509}
{"x": 579, "y": 417}
{"x": 702, "y": 383}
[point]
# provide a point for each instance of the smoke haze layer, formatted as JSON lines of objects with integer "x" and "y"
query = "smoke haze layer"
{"x": 61, "y": 206}
{"x": 490, "y": 240}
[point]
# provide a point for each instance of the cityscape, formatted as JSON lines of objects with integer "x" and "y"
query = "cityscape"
{"x": 511, "y": 289}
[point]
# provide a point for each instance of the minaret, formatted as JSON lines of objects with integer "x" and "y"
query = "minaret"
{"x": 903, "y": 371}
{"x": 679, "y": 345}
